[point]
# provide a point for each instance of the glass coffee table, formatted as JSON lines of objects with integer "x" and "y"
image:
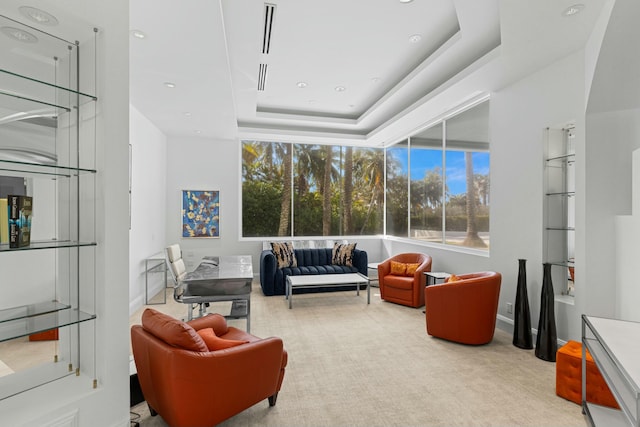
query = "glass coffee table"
{"x": 326, "y": 280}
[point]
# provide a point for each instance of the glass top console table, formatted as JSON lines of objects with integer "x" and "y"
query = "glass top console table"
{"x": 155, "y": 263}
{"x": 615, "y": 348}
{"x": 219, "y": 278}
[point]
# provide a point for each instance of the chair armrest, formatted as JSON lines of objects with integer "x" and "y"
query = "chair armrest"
{"x": 360, "y": 261}
{"x": 214, "y": 320}
{"x": 268, "y": 266}
{"x": 419, "y": 276}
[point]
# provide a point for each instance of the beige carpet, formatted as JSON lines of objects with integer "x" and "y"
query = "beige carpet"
{"x": 353, "y": 364}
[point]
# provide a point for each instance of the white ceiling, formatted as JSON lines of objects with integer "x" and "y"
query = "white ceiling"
{"x": 211, "y": 51}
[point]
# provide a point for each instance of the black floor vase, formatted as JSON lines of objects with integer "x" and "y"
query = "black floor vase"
{"x": 522, "y": 316}
{"x": 547, "y": 339}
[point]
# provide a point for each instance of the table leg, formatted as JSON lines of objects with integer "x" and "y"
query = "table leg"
{"x": 146, "y": 282}
{"x": 249, "y": 315}
{"x": 290, "y": 292}
{"x": 368, "y": 291}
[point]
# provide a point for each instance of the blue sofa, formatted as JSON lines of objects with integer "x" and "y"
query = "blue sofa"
{"x": 310, "y": 261}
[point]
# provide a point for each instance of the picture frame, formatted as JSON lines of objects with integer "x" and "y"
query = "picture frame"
{"x": 200, "y": 214}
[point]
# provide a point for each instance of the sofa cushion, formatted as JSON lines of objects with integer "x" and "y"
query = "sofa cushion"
{"x": 284, "y": 253}
{"x": 214, "y": 342}
{"x": 172, "y": 331}
{"x": 343, "y": 254}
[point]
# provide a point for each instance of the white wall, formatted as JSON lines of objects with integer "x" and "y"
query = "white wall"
{"x": 148, "y": 205}
{"x": 627, "y": 233}
{"x": 613, "y": 133}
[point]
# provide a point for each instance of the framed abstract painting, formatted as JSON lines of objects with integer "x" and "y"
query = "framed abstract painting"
{"x": 200, "y": 213}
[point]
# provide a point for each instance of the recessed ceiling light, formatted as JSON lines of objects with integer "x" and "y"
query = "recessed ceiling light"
{"x": 18, "y": 34}
{"x": 406, "y": 1}
{"x": 415, "y": 38}
{"x": 138, "y": 34}
{"x": 375, "y": 79}
{"x": 340, "y": 88}
{"x": 39, "y": 16}
{"x": 187, "y": 113}
{"x": 312, "y": 101}
{"x": 198, "y": 131}
{"x": 170, "y": 85}
{"x": 573, "y": 10}
{"x": 301, "y": 84}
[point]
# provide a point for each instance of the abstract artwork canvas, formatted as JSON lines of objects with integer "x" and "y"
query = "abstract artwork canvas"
{"x": 200, "y": 213}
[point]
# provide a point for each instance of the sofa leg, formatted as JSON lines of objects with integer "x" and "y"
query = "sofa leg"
{"x": 152, "y": 411}
{"x": 272, "y": 399}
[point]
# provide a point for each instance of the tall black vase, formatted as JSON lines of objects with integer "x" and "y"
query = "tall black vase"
{"x": 522, "y": 317}
{"x": 547, "y": 339}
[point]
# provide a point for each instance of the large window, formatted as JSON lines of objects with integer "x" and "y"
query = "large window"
{"x": 447, "y": 166}
{"x": 437, "y": 186}
{"x": 311, "y": 190}
{"x": 397, "y": 191}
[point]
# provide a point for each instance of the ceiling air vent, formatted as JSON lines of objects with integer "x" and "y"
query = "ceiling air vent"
{"x": 269, "y": 11}
{"x": 262, "y": 76}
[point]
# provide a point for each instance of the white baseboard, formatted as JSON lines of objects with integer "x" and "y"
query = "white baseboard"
{"x": 506, "y": 324}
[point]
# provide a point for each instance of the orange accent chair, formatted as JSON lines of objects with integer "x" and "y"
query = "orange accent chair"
{"x": 404, "y": 286}
{"x": 190, "y": 385}
{"x": 464, "y": 310}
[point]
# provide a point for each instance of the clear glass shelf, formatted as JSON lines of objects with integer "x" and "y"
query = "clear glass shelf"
{"x": 31, "y": 310}
{"x": 21, "y": 168}
{"x": 564, "y": 157}
{"x": 47, "y": 244}
{"x": 562, "y": 193}
{"x": 44, "y": 322}
{"x": 561, "y": 228}
{"x": 562, "y": 263}
{"x": 20, "y": 381}
{"x": 7, "y": 77}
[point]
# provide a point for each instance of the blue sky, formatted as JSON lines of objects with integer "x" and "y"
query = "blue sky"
{"x": 423, "y": 160}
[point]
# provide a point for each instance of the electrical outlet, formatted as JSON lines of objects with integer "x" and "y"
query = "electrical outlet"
{"x": 509, "y": 307}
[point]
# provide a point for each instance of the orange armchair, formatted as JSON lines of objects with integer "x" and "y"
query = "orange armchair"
{"x": 465, "y": 310}
{"x": 189, "y": 385}
{"x": 406, "y": 288}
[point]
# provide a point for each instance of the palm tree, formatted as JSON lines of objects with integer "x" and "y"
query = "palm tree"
{"x": 371, "y": 166}
{"x": 285, "y": 201}
{"x": 472, "y": 239}
{"x": 481, "y": 183}
{"x": 326, "y": 190}
{"x": 347, "y": 224}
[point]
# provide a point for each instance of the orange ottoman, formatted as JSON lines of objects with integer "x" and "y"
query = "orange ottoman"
{"x": 569, "y": 377}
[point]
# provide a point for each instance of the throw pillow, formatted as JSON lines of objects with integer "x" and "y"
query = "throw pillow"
{"x": 411, "y": 269}
{"x": 342, "y": 254}
{"x": 172, "y": 331}
{"x": 285, "y": 256}
{"x": 451, "y": 279}
{"x": 398, "y": 268}
{"x": 214, "y": 342}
